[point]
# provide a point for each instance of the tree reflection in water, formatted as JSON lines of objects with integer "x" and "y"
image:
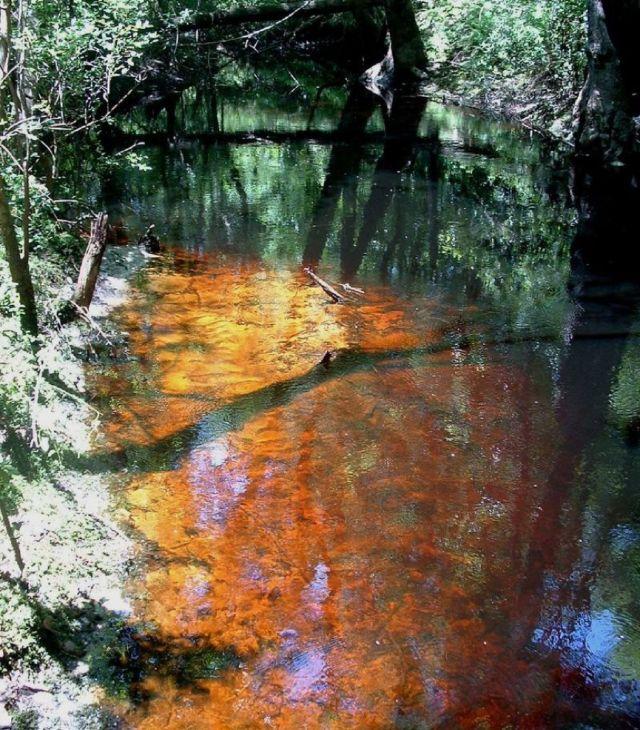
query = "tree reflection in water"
{"x": 439, "y": 537}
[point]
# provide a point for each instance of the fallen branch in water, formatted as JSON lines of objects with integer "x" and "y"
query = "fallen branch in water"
{"x": 327, "y": 288}
{"x": 352, "y": 289}
{"x": 83, "y": 313}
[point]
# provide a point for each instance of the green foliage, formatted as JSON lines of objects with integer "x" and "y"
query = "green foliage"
{"x": 42, "y": 417}
{"x": 77, "y": 49}
{"x": 38, "y": 388}
{"x": 18, "y": 629}
{"x": 523, "y": 50}
{"x": 625, "y": 395}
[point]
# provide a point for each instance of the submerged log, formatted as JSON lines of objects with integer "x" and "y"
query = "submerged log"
{"x": 352, "y": 289}
{"x": 326, "y": 360}
{"x": 318, "y": 136}
{"x": 327, "y": 288}
{"x": 91, "y": 261}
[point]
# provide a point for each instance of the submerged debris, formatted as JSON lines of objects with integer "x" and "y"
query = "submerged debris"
{"x": 149, "y": 240}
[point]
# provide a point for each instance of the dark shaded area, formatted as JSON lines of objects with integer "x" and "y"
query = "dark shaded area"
{"x": 605, "y": 283}
{"x": 623, "y": 21}
{"x": 120, "y": 655}
{"x": 605, "y": 287}
{"x": 605, "y": 129}
{"x": 604, "y": 252}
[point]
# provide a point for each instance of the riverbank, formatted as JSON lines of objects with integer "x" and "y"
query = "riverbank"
{"x": 60, "y": 614}
{"x": 526, "y": 109}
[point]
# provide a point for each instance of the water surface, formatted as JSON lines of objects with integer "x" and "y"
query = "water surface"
{"x": 439, "y": 529}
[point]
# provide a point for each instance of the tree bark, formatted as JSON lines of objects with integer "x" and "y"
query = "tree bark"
{"x": 407, "y": 48}
{"x": 18, "y": 266}
{"x": 13, "y": 540}
{"x": 91, "y": 261}
{"x": 604, "y": 126}
{"x": 277, "y": 11}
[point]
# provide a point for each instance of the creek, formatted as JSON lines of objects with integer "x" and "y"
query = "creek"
{"x": 442, "y": 527}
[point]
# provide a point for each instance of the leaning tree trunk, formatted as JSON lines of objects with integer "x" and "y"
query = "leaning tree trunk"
{"x": 90, "y": 267}
{"x": 410, "y": 59}
{"x": 604, "y": 125}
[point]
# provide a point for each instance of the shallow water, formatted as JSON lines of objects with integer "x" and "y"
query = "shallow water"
{"x": 440, "y": 528}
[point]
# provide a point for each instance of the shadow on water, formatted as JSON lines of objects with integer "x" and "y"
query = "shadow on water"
{"x": 538, "y": 298}
{"x": 121, "y": 655}
{"x": 162, "y": 454}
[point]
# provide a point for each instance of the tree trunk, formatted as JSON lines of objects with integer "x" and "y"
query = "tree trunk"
{"x": 369, "y": 42}
{"x": 604, "y": 125}
{"x": 24, "y": 81}
{"x": 91, "y": 261}
{"x": 170, "y": 108}
{"x": 13, "y": 540}
{"x": 407, "y": 48}
{"x": 18, "y": 266}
